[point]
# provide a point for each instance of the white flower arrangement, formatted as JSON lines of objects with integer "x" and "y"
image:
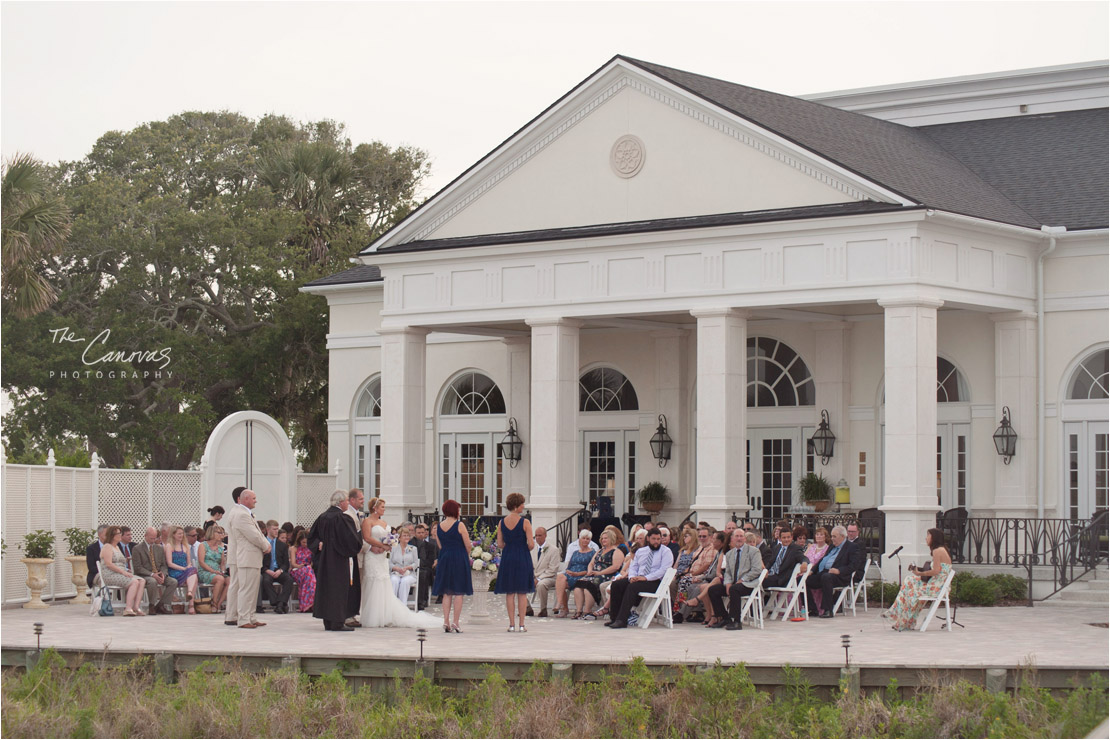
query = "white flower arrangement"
{"x": 477, "y": 565}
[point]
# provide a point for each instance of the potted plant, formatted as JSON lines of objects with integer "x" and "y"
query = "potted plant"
{"x": 78, "y": 540}
{"x": 38, "y": 554}
{"x": 815, "y": 489}
{"x": 654, "y": 496}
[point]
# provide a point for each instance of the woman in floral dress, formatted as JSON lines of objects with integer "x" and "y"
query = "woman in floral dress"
{"x": 302, "y": 573}
{"x": 919, "y": 583}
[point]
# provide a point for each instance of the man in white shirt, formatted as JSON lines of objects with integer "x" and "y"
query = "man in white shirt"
{"x": 545, "y": 566}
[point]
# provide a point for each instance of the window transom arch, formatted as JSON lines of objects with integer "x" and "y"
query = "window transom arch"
{"x": 472, "y": 394}
{"x": 951, "y": 384}
{"x": 777, "y": 375}
{"x": 369, "y": 403}
{"x": 606, "y": 389}
{"x": 1091, "y": 379}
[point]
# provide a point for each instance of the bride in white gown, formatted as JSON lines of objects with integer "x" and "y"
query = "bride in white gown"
{"x": 380, "y": 606}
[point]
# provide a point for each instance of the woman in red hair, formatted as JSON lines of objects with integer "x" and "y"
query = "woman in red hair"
{"x": 453, "y": 566}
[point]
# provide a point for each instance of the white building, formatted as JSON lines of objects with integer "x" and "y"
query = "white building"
{"x": 910, "y": 259}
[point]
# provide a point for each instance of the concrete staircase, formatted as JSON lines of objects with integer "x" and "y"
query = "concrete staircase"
{"x": 1092, "y": 589}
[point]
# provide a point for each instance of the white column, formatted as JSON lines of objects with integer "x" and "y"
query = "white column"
{"x": 404, "y": 352}
{"x": 1015, "y": 386}
{"x": 833, "y": 394}
{"x": 910, "y": 462}
{"x": 722, "y": 414}
{"x": 669, "y": 389}
{"x": 519, "y": 351}
{"x": 554, "y": 424}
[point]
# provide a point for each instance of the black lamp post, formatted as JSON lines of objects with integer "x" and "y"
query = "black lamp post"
{"x": 1005, "y": 438}
{"x": 823, "y": 440}
{"x": 661, "y": 442}
{"x": 511, "y": 446}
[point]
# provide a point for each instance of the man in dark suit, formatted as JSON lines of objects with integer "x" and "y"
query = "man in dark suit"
{"x": 149, "y": 562}
{"x": 784, "y": 556}
{"x": 428, "y": 551}
{"x": 835, "y": 569}
{"x": 92, "y": 555}
{"x": 277, "y": 584}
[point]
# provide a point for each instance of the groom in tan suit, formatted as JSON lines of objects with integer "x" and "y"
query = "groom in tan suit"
{"x": 247, "y": 547}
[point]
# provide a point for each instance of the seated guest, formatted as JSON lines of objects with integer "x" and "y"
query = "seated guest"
{"x": 211, "y": 563}
{"x": 730, "y": 527}
{"x": 148, "y": 558}
{"x": 639, "y": 542}
{"x": 577, "y": 563}
{"x": 277, "y": 584}
{"x": 800, "y": 535}
{"x": 179, "y": 559}
{"x": 618, "y": 538}
{"x": 687, "y": 546}
{"x": 92, "y": 555}
{"x": 815, "y": 552}
{"x": 690, "y": 584}
{"x": 921, "y": 582}
{"x": 427, "y": 550}
{"x": 545, "y": 567}
{"x": 784, "y": 557}
{"x": 764, "y": 548}
{"x": 835, "y": 569}
{"x": 125, "y": 546}
{"x": 606, "y": 563}
{"x": 649, "y": 564}
{"x": 164, "y": 532}
{"x": 193, "y": 540}
{"x": 215, "y": 514}
{"x": 712, "y": 619}
{"x": 113, "y": 572}
{"x": 730, "y": 572}
{"x": 745, "y": 579}
{"x": 288, "y": 528}
{"x": 667, "y": 543}
{"x": 283, "y": 537}
{"x": 302, "y": 573}
{"x": 404, "y": 564}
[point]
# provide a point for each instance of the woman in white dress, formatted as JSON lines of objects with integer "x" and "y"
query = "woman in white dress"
{"x": 380, "y": 605}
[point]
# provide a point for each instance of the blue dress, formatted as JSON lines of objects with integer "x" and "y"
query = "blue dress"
{"x": 453, "y": 568}
{"x": 579, "y": 561}
{"x": 514, "y": 575}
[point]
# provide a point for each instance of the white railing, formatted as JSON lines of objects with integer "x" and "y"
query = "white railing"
{"x": 54, "y": 498}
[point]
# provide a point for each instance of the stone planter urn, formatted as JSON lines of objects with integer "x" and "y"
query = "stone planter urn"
{"x": 652, "y": 506}
{"x": 36, "y": 580}
{"x": 80, "y": 573}
{"x": 478, "y": 613}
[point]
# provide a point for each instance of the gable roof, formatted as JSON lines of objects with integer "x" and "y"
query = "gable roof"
{"x": 357, "y": 274}
{"x": 898, "y": 157}
{"x": 1056, "y": 166}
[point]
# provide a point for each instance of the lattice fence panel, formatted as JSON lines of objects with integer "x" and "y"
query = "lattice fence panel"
{"x": 15, "y": 527}
{"x": 85, "y": 499}
{"x": 123, "y": 499}
{"x": 177, "y": 498}
{"x": 39, "y": 509}
{"x": 314, "y": 492}
{"x": 63, "y": 520}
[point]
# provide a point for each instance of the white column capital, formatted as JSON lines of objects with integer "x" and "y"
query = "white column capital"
{"x": 516, "y": 340}
{"x": 1013, "y": 316}
{"x": 554, "y": 321}
{"x": 407, "y": 330}
{"x": 911, "y": 302}
{"x": 720, "y": 313}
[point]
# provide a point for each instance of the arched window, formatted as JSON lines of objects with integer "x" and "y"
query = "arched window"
{"x": 951, "y": 386}
{"x": 606, "y": 389}
{"x": 777, "y": 376}
{"x": 472, "y": 394}
{"x": 369, "y": 404}
{"x": 1090, "y": 380}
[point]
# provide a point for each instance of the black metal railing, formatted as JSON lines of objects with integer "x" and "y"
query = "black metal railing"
{"x": 1012, "y": 541}
{"x": 871, "y": 523}
{"x": 1080, "y": 552}
{"x": 431, "y": 518}
{"x": 567, "y": 530}
{"x": 691, "y": 517}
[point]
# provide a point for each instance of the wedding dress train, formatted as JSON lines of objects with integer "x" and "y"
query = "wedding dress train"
{"x": 380, "y": 605}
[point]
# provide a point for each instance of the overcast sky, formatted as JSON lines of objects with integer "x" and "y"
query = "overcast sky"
{"x": 456, "y": 78}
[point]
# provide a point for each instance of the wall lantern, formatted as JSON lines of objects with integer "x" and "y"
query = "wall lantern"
{"x": 661, "y": 443}
{"x": 1005, "y": 438}
{"x": 511, "y": 446}
{"x": 823, "y": 440}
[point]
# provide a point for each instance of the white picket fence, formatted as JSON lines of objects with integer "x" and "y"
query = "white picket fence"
{"x": 55, "y": 498}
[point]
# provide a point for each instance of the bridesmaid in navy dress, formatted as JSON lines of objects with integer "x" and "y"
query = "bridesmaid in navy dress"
{"x": 453, "y": 566}
{"x": 514, "y": 576}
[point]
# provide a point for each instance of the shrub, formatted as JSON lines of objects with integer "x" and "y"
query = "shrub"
{"x": 38, "y": 544}
{"x": 887, "y": 596}
{"x": 1011, "y": 587}
{"x": 979, "y": 592}
{"x": 79, "y": 539}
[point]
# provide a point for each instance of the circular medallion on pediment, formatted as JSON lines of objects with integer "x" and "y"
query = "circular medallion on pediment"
{"x": 627, "y": 156}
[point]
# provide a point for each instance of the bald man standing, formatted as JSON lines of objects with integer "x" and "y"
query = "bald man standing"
{"x": 249, "y": 546}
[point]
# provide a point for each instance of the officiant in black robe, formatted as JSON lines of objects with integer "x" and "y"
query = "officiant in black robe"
{"x": 335, "y": 544}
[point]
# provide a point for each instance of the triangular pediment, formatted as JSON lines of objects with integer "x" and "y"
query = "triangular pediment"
{"x": 624, "y": 146}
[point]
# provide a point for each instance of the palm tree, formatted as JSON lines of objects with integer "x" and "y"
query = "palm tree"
{"x": 35, "y": 224}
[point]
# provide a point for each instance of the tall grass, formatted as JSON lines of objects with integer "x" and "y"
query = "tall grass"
{"x": 218, "y": 700}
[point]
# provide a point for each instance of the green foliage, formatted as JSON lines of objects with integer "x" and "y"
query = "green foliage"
{"x": 887, "y": 596}
{"x": 38, "y": 544}
{"x": 814, "y": 487}
{"x": 1011, "y": 587}
{"x": 654, "y": 491}
{"x": 977, "y": 592}
{"x": 217, "y": 699}
{"x": 178, "y": 287}
{"x": 78, "y": 540}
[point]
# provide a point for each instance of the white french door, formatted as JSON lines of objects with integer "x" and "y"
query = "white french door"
{"x": 953, "y": 455}
{"x": 609, "y": 467}
{"x": 367, "y": 464}
{"x": 471, "y": 472}
{"x": 775, "y": 462}
{"x": 1086, "y": 468}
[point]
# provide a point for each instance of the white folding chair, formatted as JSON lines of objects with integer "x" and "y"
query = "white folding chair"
{"x": 784, "y": 600}
{"x": 942, "y": 595}
{"x": 753, "y": 604}
{"x": 651, "y": 604}
{"x": 850, "y": 594}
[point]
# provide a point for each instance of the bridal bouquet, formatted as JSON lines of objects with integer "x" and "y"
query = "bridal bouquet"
{"x": 389, "y": 541}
